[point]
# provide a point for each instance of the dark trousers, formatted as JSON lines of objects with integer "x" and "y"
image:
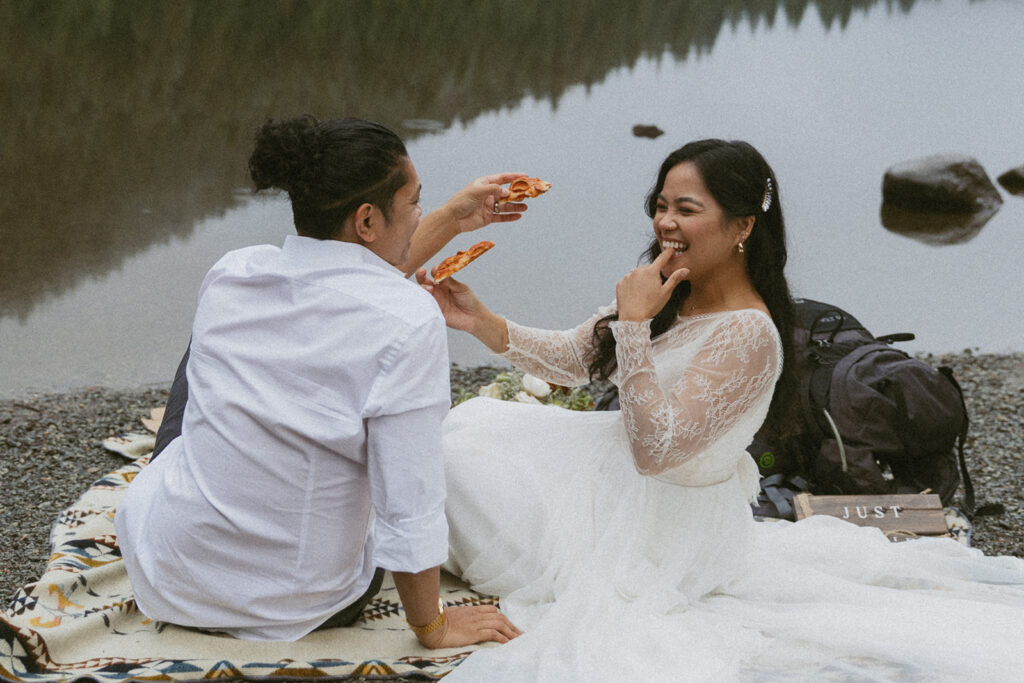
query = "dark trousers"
{"x": 350, "y": 614}
{"x": 170, "y": 426}
{"x": 170, "y": 429}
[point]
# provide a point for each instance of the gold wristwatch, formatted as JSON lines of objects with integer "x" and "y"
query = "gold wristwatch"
{"x": 434, "y": 624}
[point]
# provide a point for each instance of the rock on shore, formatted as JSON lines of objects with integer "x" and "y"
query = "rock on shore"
{"x": 50, "y": 453}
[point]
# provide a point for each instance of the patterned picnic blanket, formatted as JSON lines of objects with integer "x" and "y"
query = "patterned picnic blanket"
{"x": 79, "y": 622}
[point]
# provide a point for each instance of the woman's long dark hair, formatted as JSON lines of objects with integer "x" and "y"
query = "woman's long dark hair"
{"x": 328, "y": 168}
{"x": 736, "y": 175}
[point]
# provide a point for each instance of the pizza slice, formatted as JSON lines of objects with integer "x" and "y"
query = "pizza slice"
{"x": 521, "y": 188}
{"x": 460, "y": 260}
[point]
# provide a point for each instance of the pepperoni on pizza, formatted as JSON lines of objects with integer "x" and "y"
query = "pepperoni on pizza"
{"x": 521, "y": 188}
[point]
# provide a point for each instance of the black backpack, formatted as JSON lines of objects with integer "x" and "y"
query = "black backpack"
{"x": 872, "y": 419}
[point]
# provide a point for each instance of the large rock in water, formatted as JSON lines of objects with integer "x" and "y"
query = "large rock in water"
{"x": 1013, "y": 181}
{"x": 954, "y": 184}
{"x": 940, "y": 199}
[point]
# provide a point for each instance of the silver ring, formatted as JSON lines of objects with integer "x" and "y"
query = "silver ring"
{"x": 496, "y": 207}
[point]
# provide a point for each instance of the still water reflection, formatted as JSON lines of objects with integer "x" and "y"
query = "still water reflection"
{"x": 126, "y": 132}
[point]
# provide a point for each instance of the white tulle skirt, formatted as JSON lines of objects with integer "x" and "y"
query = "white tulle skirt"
{"x": 617, "y": 576}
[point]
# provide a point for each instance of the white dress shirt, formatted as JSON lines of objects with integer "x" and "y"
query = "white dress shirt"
{"x": 310, "y": 451}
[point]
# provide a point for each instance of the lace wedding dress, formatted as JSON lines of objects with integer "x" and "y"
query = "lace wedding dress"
{"x": 623, "y": 544}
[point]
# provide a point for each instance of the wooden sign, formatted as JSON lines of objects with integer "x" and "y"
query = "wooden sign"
{"x": 901, "y": 516}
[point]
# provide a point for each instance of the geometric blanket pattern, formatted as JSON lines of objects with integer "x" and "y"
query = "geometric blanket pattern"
{"x": 79, "y": 622}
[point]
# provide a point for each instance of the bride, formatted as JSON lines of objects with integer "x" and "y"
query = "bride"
{"x": 622, "y": 542}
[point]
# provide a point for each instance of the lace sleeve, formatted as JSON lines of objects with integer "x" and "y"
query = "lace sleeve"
{"x": 559, "y": 357}
{"x": 736, "y": 364}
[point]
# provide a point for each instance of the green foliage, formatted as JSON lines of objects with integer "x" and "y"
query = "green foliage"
{"x": 463, "y": 396}
{"x": 575, "y": 398}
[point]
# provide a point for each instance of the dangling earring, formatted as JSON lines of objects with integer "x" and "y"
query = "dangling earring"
{"x": 739, "y": 247}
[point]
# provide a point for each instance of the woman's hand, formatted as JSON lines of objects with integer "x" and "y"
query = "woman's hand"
{"x": 459, "y": 305}
{"x": 641, "y": 294}
{"x": 469, "y": 625}
{"x": 462, "y": 310}
{"x": 472, "y": 207}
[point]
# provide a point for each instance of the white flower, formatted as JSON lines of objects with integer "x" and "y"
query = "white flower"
{"x": 536, "y": 386}
{"x": 524, "y": 397}
{"x": 492, "y": 390}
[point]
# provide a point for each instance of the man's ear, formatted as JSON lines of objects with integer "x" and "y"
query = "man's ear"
{"x": 366, "y": 219}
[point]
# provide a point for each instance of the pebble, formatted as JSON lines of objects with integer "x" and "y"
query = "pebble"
{"x": 50, "y": 453}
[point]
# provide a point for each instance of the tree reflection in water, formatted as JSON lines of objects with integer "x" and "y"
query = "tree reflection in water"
{"x": 125, "y": 125}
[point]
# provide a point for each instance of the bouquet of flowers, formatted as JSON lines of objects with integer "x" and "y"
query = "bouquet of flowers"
{"x": 513, "y": 385}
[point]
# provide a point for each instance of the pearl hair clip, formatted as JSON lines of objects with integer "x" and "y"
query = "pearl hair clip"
{"x": 767, "y": 201}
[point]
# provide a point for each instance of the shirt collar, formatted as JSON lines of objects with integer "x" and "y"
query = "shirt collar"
{"x": 317, "y": 252}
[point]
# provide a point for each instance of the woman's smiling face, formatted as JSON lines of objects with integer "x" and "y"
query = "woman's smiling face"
{"x": 689, "y": 220}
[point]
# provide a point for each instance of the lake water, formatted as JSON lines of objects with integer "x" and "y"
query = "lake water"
{"x": 126, "y": 133}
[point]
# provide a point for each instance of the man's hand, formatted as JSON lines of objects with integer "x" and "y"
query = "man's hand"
{"x": 469, "y": 625}
{"x": 472, "y": 207}
{"x": 461, "y": 625}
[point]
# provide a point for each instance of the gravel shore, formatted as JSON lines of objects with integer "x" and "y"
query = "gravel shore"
{"x": 50, "y": 453}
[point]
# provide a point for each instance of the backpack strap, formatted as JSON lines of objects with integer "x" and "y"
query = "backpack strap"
{"x": 835, "y": 314}
{"x": 961, "y": 439}
{"x": 780, "y": 489}
{"x": 839, "y": 439}
{"x": 770, "y": 486}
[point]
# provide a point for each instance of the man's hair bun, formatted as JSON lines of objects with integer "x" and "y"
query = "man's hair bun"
{"x": 286, "y": 155}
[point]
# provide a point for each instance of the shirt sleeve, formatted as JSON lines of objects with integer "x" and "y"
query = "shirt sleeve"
{"x": 731, "y": 371}
{"x": 556, "y": 356}
{"x": 407, "y": 490}
{"x": 405, "y": 463}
